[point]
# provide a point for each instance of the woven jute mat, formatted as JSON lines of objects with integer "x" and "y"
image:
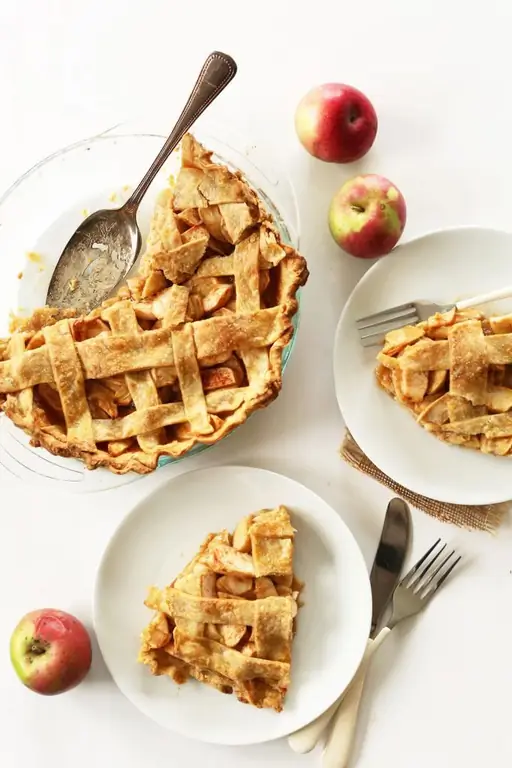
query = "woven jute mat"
{"x": 486, "y": 517}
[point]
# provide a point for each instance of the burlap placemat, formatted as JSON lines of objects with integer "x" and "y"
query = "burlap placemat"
{"x": 486, "y": 517}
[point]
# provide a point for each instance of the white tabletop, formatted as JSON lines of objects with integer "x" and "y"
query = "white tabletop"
{"x": 438, "y": 76}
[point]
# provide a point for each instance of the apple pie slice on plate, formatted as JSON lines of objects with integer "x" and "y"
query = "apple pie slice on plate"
{"x": 228, "y": 618}
{"x": 234, "y": 620}
{"x": 452, "y": 374}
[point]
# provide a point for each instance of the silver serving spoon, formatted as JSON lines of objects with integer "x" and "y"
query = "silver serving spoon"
{"x": 106, "y": 245}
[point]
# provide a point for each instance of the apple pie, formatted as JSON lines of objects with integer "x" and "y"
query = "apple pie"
{"x": 185, "y": 351}
{"x": 454, "y": 373}
{"x": 228, "y": 619}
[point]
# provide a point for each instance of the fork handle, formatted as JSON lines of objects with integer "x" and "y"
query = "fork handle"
{"x": 484, "y": 298}
{"x": 338, "y": 747}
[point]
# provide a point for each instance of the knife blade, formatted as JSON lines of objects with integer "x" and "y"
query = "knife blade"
{"x": 384, "y": 576}
{"x": 389, "y": 559}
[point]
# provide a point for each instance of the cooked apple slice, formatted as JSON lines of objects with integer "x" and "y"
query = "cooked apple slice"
{"x": 241, "y": 537}
{"x": 224, "y": 559}
{"x": 264, "y": 588}
{"x": 236, "y": 585}
{"x": 231, "y": 634}
{"x": 213, "y": 291}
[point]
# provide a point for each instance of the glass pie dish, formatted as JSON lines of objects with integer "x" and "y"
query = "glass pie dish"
{"x": 47, "y": 203}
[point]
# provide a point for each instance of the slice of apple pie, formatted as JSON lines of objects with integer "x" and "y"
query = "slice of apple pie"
{"x": 454, "y": 373}
{"x": 228, "y": 619}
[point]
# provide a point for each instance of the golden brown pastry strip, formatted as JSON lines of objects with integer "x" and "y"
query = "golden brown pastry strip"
{"x": 219, "y": 611}
{"x": 271, "y": 556}
{"x": 223, "y": 266}
{"x": 164, "y": 234}
{"x": 272, "y": 633}
{"x": 247, "y": 286}
{"x": 211, "y": 655}
{"x": 105, "y": 356}
{"x": 23, "y": 402}
{"x": 176, "y": 314}
{"x": 196, "y": 189}
{"x": 151, "y": 419}
{"x": 247, "y": 276}
{"x": 496, "y": 425}
{"x": 272, "y": 523}
{"x": 428, "y": 355}
{"x": 70, "y": 384}
{"x": 468, "y": 362}
{"x": 180, "y": 264}
{"x": 189, "y": 377}
{"x": 140, "y": 384}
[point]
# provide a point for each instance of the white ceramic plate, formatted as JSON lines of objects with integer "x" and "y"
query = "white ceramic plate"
{"x": 162, "y": 534}
{"x": 443, "y": 266}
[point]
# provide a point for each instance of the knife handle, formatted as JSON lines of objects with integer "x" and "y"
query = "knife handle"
{"x": 341, "y": 736}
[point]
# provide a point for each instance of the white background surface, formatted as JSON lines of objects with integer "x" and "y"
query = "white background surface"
{"x": 437, "y": 72}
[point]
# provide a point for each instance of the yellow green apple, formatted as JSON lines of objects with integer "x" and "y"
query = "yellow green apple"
{"x": 50, "y": 651}
{"x": 367, "y": 216}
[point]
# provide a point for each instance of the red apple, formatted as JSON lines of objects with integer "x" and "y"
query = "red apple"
{"x": 336, "y": 123}
{"x": 367, "y": 216}
{"x": 50, "y": 651}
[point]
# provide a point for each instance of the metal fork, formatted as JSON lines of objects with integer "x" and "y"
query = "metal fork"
{"x": 373, "y": 328}
{"x": 412, "y": 594}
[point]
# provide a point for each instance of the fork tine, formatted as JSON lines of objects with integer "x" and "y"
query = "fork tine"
{"x": 443, "y": 578}
{"x": 389, "y": 323}
{"x": 437, "y": 570}
{"x": 380, "y": 331}
{"x": 416, "y": 581}
{"x": 418, "y": 565}
{"x": 385, "y": 314}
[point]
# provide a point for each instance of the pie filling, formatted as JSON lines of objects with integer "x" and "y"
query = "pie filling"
{"x": 454, "y": 373}
{"x": 228, "y": 619}
{"x": 185, "y": 351}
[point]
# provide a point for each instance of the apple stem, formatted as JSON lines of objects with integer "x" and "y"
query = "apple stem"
{"x": 37, "y": 647}
{"x": 357, "y": 208}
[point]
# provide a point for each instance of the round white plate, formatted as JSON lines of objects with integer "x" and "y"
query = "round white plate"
{"x": 164, "y": 532}
{"x": 443, "y": 267}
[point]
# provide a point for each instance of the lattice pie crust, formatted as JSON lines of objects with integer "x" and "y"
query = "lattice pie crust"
{"x": 184, "y": 353}
{"x": 454, "y": 373}
{"x": 228, "y": 618}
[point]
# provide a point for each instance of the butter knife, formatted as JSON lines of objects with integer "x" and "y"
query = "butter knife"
{"x": 391, "y": 552}
{"x": 384, "y": 578}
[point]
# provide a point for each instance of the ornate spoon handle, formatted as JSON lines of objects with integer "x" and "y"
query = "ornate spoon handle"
{"x": 218, "y": 70}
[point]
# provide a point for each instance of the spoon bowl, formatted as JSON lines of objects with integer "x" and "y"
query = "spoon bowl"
{"x": 105, "y": 246}
{"x": 96, "y": 258}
